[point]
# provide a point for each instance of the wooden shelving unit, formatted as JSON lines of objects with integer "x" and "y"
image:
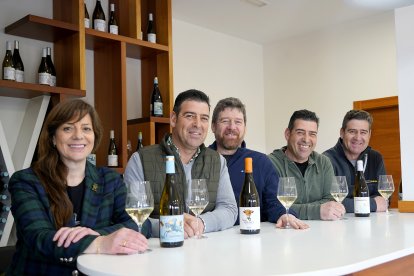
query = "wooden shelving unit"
{"x": 66, "y": 30}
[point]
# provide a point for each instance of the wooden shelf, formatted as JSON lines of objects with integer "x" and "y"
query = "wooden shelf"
{"x": 41, "y": 28}
{"x": 161, "y": 120}
{"x": 31, "y": 90}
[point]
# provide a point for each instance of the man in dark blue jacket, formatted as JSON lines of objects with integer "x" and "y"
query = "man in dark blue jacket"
{"x": 228, "y": 125}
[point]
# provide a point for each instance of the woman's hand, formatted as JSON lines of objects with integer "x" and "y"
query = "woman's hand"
{"x": 67, "y": 235}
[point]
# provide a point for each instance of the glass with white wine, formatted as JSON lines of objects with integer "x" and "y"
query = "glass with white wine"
{"x": 197, "y": 198}
{"x": 386, "y": 188}
{"x": 139, "y": 202}
{"x": 287, "y": 194}
{"x": 339, "y": 188}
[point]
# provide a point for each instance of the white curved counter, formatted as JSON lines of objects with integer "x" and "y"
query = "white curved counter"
{"x": 327, "y": 248}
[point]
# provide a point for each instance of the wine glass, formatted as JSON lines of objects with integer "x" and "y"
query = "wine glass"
{"x": 287, "y": 194}
{"x": 339, "y": 188}
{"x": 139, "y": 202}
{"x": 386, "y": 188}
{"x": 197, "y": 199}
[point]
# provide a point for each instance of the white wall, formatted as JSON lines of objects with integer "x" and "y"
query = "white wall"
{"x": 325, "y": 72}
{"x": 221, "y": 66}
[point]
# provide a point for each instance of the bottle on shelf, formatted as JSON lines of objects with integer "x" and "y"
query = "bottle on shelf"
{"x": 18, "y": 63}
{"x": 44, "y": 70}
{"x": 112, "y": 23}
{"x": 52, "y": 79}
{"x": 129, "y": 149}
{"x": 171, "y": 209}
{"x": 249, "y": 210}
{"x": 139, "y": 143}
{"x": 156, "y": 107}
{"x": 9, "y": 71}
{"x": 400, "y": 191}
{"x": 112, "y": 151}
{"x": 361, "y": 193}
{"x": 87, "y": 19}
{"x": 98, "y": 17}
{"x": 151, "y": 35}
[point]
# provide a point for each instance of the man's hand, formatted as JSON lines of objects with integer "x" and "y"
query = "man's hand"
{"x": 332, "y": 210}
{"x": 381, "y": 203}
{"x": 293, "y": 222}
{"x": 190, "y": 226}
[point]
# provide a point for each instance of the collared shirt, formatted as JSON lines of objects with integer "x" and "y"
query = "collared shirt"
{"x": 174, "y": 147}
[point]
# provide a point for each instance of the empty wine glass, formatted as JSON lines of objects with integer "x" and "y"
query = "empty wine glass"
{"x": 139, "y": 202}
{"x": 339, "y": 189}
{"x": 197, "y": 199}
{"x": 287, "y": 194}
{"x": 386, "y": 188}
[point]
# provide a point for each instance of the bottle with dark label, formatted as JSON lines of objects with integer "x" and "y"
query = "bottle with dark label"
{"x": 361, "y": 193}
{"x": 151, "y": 36}
{"x": 156, "y": 107}
{"x": 171, "y": 209}
{"x": 249, "y": 210}
{"x": 44, "y": 70}
{"x": 112, "y": 151}
{"x": 112, "y": 23}
{"x": 9, "y": 71}
{"x": 52, "y": 79}
{"x": 98, "y": 17}
{"x": 139, "y": 143}
{"x": 18, "y": 63}
{"x": 87, "y": 19}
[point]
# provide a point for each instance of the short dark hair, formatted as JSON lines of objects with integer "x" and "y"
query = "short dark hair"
{"x": 305, "y": 115}
{"x": 190, "y": 95}
{"x": 357, "y": 115}
{"x": 228, "y": 103}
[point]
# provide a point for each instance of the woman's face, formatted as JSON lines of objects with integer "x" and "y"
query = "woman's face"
{"x": 75, "y": 140}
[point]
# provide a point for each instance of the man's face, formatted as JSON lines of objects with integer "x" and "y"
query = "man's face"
{"x": 190, "y": 126}
{"x": 229, "y": 129}
{"x": 355, "y": 137}
{"x": 301, "y": 140}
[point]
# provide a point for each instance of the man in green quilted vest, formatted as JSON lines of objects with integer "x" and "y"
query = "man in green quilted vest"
{"x": 189, "y": 121}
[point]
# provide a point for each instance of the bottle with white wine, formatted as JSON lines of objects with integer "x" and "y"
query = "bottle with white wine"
{"x": 18, "y": 63}
{"x": 139, "y": 143}
{"x": 151, "y": 36}
{"x": 249, "y": 210}
{"x": 98, "y": 17}
{"x": 112, "y": 151}
{"x": 87, "y": 19}
{"x": 171, "y": 209}
{"x": 361, "y": 193}
{"x": 44, "y": 70}
{"x": 156, "y": 107}
{"x": 9, "y": 71}
{"x": 52, "y": 79}
{"x": 112, "y": 23}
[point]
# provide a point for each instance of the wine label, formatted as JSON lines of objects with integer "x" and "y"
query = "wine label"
{"x": 52, "y": 80}
{"x": 158, "y": 108}
{"x": 172, "y": 228}
{"x": 249, "y": 218}
{"x": 112, "y": 160}
{"x": 87, "y": 23}
{"x": 152, "y": 38}
{"x": 44, "y": 78}
{"x": 9, "y": 73}
{"x": 113, "y": 29}
{"x": 99, "y": 25}
{"x": 361, "y": 205}
{"x": 19, "y": 75}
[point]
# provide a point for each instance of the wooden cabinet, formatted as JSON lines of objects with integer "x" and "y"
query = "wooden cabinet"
{"x": 66, "y": 30}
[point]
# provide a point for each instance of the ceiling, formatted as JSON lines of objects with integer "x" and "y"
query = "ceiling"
{"x": 278, "y": 19}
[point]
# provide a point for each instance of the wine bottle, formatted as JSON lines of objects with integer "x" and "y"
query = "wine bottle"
{"x": 52, "y": 79}
{"x": 151, "y": 36}
{"x": 156, "y": 101}
{"x": 44, "y": 70}
{"x": 400, "y": 191}
{"x": 112, "y": 151}
{"x": 112, "y": 23}
{"x": 249, "y": 210}
{"x": 9, "y": 71}
{"x": 98, "y": 17}
{"x": 361, "y": 193}
{"x": 18, "y": 63}
{"x": 87, "y": 20}
{"x": 171, "y": 209}
{"x": 139, "y": 143}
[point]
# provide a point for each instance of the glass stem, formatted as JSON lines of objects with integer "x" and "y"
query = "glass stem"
{"x": 386, "y": 209}
{"x": 287, "y": 217}
{"x": 197, "y": 233}
{"x": 140, "y": 228}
